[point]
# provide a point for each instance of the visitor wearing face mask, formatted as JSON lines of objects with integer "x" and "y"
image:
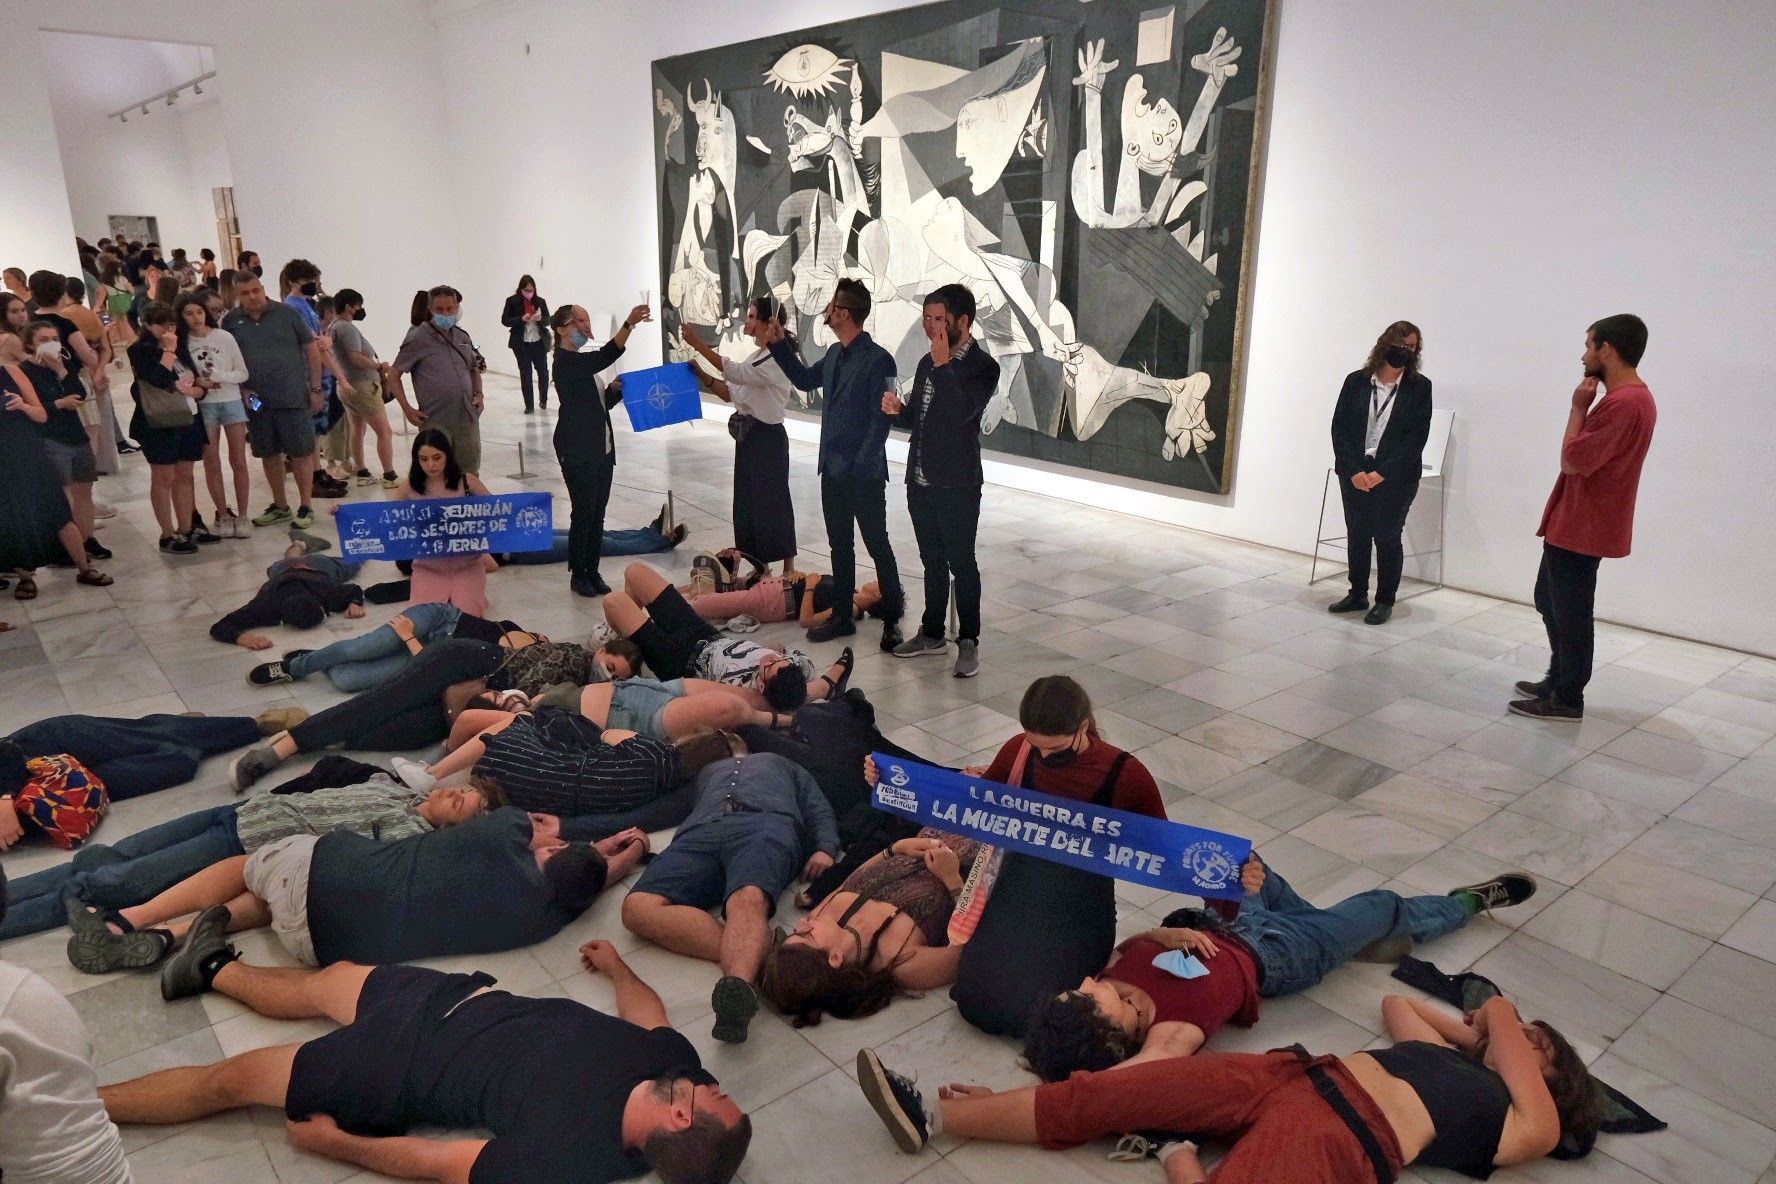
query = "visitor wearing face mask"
{"x": 248, "y": 262}
{"x": 441, "y": 357}
{"x": 527, "y": 316}
{"x": 364, "y": 404}
{"x": 1379, "y": 430}
{"x": 584, "y": 442}
{"x": 1047, "y": 926}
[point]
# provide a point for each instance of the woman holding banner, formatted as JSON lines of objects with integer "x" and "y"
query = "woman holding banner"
{"x": 584, "y": 442}
{"x": 445, "y": 579}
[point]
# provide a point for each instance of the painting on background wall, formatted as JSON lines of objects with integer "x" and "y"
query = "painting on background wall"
{"x": 1088, "y": 168}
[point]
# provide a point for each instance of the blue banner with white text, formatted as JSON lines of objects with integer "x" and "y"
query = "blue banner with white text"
{"x": 427, "y": 528}
{"x": 661, "y": 395}
{"x": 1169, "y": 856}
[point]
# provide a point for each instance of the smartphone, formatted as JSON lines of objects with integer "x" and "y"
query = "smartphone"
{"x": 253, "y": 403}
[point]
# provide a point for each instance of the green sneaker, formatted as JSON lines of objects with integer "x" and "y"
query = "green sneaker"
{"x": 273, "y": 515}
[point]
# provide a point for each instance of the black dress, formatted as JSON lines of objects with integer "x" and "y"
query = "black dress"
{"x": 764, "y": 512}
{"x": 33, "y": 508}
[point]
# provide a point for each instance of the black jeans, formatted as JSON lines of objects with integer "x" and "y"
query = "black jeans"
{"x": 848, "y": 502}
{"x": 1376, "y": 519}
{"x": 1566, "y": 588}
{"x": 407, "y": 711}
{"x": 588, "y": 492}
{"x": 533, "y": 355}
{"x": 944, "y": 522}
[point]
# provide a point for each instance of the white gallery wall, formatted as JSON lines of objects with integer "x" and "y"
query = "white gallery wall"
{"x": 1502, "y": 174}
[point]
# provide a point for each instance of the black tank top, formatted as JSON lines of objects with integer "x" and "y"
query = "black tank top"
{"x": 1466, "y": 1100}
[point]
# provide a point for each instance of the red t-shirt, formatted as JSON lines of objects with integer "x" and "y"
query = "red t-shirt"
{"x": 1229, "y": 992}
{"x": 1591, "y": 510}
{"x": 1136, "y": 791}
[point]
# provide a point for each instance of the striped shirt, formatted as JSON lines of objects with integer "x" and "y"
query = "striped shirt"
{"x": 379, "y": 810}
{"x": 555, "y": 762}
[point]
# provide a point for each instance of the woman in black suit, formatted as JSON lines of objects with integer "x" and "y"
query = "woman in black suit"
{"x": 526, "y": 315}
{"x": 1378, "y": 437}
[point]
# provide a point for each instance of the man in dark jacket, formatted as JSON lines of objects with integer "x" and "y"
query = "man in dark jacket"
{"x": 853, "y": 460}
{"x": 950, "y": 390}
{"x": 1379, "y": 431}
{"x": 299, "y": 591}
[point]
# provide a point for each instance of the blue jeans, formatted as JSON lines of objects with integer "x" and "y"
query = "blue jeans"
{"x": 133, "y": 870}
{"x": 643, "y": 540}
{"x": 1298, "y": 944}
{"x": 371, "y": 659}
{"x": 137, "y": 756}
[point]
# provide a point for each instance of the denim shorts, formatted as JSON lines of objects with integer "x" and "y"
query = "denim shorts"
{"x": 637, "y": 705}
{"x": 217, "y": 414}
{"x": 707, "y": 864}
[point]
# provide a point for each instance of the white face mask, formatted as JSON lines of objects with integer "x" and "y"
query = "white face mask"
{"x": 50, "y": 350}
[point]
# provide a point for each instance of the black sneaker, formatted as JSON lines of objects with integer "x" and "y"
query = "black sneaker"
{"x": 270, "y": 674}
{"x": 177, "y": 544}
{"x": 1502, "y": 891}
{"x": 292, "y": 655}
{"x": 96, "y": 549}
{"x": 834, "y": 628}
{"x": 129, "y": 446}
{"x": 1547, "y": 709}
{"x": 1378, "y": 615}
{"x": 203, "y": 534}
{"x": 192, "y": 970}
{"x": 1535, "y": 690}
{"x": 1350, "y": 604}
{"x": 585, "y": 587}
{"x": 735, "y": 1004}
{"x": 896, "y": 1102}
{"x": 892, "y": 637}
{"x": 94, "y": 949}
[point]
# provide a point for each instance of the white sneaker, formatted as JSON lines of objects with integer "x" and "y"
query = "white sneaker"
{"x": 101, "y": 510}
{"x": 243, "y": 527}
{"x": 413, "y": 774}
{"x": 223, "y": 525}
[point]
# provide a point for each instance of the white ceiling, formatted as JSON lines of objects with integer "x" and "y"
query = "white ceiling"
{"x": 91, "y": 76}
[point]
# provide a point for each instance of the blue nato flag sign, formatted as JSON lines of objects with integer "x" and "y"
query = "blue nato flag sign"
{"x": 661, "y": 395}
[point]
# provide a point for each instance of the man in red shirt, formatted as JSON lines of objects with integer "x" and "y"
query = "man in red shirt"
{"x": 1590, "y": 515}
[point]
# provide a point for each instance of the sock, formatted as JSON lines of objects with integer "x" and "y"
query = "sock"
{"x": 213, "y": 963}
{"x": 1471, "y": 902}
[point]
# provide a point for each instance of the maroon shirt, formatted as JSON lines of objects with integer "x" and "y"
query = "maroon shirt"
{"x": 1136, "y": 791}
{"x": 1591, "y": 510}
{"x": 1229, "y": 992}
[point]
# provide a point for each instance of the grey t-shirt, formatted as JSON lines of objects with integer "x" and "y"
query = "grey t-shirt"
{"x": 348, "y": 339}
{"x": 273, "y": 347}
{"x": 442, "y": 363}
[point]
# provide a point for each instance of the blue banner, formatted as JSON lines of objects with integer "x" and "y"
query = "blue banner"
{"x": 1169, "y": 856}
{"x": 660, "y": 396}
{"x": 427, "y": 528}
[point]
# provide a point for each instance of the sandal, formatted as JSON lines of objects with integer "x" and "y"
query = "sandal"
{"x": 26, "y": 590}
{"x": 94, "y": 949}
{"x": 846, "y": 661}
{"x": 94, "y": 578}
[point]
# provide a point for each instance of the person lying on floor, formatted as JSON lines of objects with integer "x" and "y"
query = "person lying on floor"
{"x": 656, "y": 537}
{"x": 114, "y": 900}
{"x": 1470, "y": 1097}
{"x": 299, "y": 591}
{"x": 496, "y": 882}
{"x": 356, "y": 664}
{"x": 759, "y": 823}
{"x": 568, "y": 1092}
{"x": 1273, "y": 943}
{"x": 676, "y": 642}
{"x": 804, "y": 597}
{"x": 673, "y": 710}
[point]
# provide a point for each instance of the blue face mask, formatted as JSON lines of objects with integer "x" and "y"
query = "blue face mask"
{"x": 578, "y": 339}
{"x": 443, "y": 322}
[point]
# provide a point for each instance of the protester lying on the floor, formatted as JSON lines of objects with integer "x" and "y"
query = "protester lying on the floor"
{"x": 759, "y": 823}
{"x": 1170, "y": 989}
{"x": 804, "y": 597}
{"x": 496, "y": 882}
{"x": 676, "y": 709}
{"x": 115, "y": 897}
{"x": 299, "y": 591}
{"x": 568, "y": 1092}
{"x": 356, "y": 664}
{"x": 1467, "y": 1096}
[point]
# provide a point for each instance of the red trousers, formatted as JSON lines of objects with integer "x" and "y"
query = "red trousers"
{"x": 1281, "y": 1130}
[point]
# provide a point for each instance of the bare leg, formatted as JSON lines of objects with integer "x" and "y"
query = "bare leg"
{"x": 744, "y": 937}
{"x": 80, "y": 501}
{"x": 257, "y": 1078}
{"x": 245, "y": 912}
{"x": 676, "y": 927}
{"x": 464, "y": 755}
{"x": 274, "y": 478}
{"x": 237, "y": 461}
{"x": 357, "y": 439}
{"x": 643, "y": 583}
{"x": 385, "y": 441}
{"x": 212, "y": 470}
{"x": 74, "y": 545}
{"x": 217, "y": 884}
{"x": 471, "y": 722}
{"x": 184, "y": 495}
{"x": 623, "y": 613}
{"x": 303, "y": 467}
{"x": 160, "y": 496}
{"x": 296, "y": 993}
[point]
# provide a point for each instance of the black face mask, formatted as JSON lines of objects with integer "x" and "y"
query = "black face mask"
{"x": 258, "y": 270}
{"x": 358, "y": 316}
{"x": 1058, "y": 760}
{"x": 311, "y": 288}
{"x": 1399, "y": 356}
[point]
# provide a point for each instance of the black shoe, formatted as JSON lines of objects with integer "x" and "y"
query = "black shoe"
{"x": 835, "y": 627}
{"x": 192, "y": 970}
{"x": 1535, "y": 690}
{"x": 1350, "y": 604}
{"x": 1378, "y": 615}
{"x": 1547, "y": 709}
{"x": 735, "y": 1004}
{"x": 1502, "y": 891}
{"x": 891, "y": 636}
{"x": 584, "y": 587}
{"x": 202, "y": 534}
{"x": 96, "y": 549}
{"x": 896, "y": 1101}
{"x": 178, "y": 544}
{"x": 529, "y": 411}
{"x": 292, "y": 655}
{"x": 846, "y": 660}
{"x": 129, "y": 446}
{"x": 94, "y": 949}
{"x": 270, "y": 674}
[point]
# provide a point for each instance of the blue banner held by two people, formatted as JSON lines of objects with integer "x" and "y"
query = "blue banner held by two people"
{"x": 661, "y": 395}
{"x": 425, "y": 528}
{"x": 1169, "y": 856}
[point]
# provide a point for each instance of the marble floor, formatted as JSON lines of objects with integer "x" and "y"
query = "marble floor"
{"x": 1355, "y": 757}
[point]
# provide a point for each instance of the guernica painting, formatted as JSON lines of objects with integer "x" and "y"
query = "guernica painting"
{"x": 1088, "y": 168}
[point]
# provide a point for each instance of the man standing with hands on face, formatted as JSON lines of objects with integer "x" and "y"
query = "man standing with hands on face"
{"x": 1590, "y": 515}
{"x": 855, "y": 374}
{"x": 951, "y": 388}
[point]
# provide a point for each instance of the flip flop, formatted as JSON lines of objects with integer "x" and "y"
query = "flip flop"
{"x": 26, "y": 590}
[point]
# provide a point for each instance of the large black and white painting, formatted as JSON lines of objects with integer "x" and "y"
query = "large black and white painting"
{"x": 1088, "y": 168}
